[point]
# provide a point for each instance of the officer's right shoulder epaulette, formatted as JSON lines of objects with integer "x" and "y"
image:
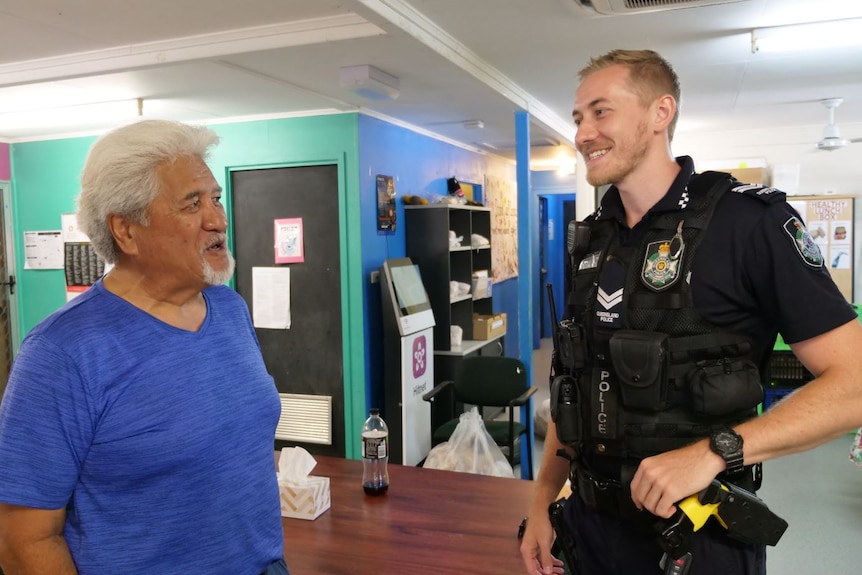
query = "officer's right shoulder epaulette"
{"x": 763, "y": 193}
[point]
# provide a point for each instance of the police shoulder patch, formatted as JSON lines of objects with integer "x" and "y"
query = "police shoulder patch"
{"x": 805, "y": 245}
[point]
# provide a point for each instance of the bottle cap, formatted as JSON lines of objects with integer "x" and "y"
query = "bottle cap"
{"x": 374, "y": 411}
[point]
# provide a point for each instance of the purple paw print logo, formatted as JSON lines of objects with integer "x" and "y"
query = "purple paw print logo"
{"x": 420, "y": 356}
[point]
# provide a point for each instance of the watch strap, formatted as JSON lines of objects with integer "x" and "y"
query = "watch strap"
{"x": 734, "y": 463}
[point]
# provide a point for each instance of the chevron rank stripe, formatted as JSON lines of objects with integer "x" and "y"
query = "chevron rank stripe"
{"x": 608, "y": 301}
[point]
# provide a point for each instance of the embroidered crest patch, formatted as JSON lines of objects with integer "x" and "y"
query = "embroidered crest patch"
{"x": 661, "y": 265}
{"x": 805, "y": 245}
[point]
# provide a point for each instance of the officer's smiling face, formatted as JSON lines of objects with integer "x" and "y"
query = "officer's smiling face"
{"x": 612, "y": 126}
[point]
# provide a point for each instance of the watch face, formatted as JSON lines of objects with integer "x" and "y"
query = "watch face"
{"x": 727, "y": 442}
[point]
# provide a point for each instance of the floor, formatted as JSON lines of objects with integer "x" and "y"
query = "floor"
{"x": 818, "y": 492}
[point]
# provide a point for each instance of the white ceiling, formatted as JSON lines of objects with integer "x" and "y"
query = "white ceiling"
{"x": 457, "y": 60}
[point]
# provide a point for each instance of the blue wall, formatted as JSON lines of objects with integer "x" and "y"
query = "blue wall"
{"x": 420, "y": 166}
{"x": 556, "y": 189}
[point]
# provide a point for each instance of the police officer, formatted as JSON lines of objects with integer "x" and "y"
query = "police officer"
{"x": 680, "y": 287}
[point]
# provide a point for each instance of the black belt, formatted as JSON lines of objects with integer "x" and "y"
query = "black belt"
{"x": 614, "y": 497}
{"x": 606, "y": 495}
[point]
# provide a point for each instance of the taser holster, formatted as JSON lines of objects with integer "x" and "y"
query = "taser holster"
{"x": 745, "y": 516}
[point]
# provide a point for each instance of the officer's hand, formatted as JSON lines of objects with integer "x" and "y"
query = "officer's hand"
{"x": 664, "y": 479}
{"x": 536, "y": 547}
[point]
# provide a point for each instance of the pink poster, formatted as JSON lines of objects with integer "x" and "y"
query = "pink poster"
{"x": 289, "y": 243}
{"x": 5, "y": 170}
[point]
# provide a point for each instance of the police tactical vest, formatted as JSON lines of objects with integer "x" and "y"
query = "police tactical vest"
{"x": 658, "y": 376}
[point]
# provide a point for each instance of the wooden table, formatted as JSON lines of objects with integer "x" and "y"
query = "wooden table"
{"x": 430, "y": 522}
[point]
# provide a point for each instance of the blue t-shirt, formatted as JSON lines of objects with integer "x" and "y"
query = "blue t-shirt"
{"x": 157, "y": 441}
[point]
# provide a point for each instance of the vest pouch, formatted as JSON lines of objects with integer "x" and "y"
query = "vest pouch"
{"x": 565, "y": 409}
{"x": 640, "y": 364}
{"x": 725, "y": 387}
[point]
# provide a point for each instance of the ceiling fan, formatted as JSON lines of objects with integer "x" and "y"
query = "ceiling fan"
{"x": 832, "y": 139}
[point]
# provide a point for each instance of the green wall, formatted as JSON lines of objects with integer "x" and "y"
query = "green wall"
{"x": 45, "y": 184}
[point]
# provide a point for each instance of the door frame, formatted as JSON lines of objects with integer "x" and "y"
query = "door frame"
{"x": 352, "y": 310}
{"x": 11, "y": 263}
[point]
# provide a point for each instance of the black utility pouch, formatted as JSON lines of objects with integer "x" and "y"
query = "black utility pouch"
{"x": 565, "y": 409}
{"x": 640, "y": 362}
{"x": 725, "y": 386}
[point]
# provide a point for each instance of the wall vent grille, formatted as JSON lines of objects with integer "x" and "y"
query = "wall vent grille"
{"x": 305, "y": 418}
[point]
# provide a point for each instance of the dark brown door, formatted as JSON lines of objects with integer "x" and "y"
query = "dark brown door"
{"x": 307, "y": 358}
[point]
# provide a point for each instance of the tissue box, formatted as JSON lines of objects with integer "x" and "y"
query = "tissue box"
{"x": 305, "y": 501}
{"x": 488, "y": 326}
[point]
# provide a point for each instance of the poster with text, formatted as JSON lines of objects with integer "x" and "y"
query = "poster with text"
{"x": 385, "y": 205}
{"x": 501, "y": 195}
{"x": 289, "y": 242}
{"x": 81, "y": 264}
{"x": 829, "y": 220}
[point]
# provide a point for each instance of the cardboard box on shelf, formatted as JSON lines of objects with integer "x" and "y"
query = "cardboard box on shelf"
{"x": 750, "y": 175}
{"x": 488, "y": 326}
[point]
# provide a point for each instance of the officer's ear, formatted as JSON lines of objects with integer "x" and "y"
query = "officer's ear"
{"x": 664, "y": 111}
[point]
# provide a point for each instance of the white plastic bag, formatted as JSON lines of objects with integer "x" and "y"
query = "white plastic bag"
{"x": 470, "y": 449}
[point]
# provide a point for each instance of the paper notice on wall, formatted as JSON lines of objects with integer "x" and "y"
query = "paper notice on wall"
{"x": 71, "y": 231}
{"x": 271, "y": 297}
{"x": 43, "y": 250}
{"x": 785, "y": 177}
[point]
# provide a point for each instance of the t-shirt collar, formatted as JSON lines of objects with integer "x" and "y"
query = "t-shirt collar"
{"x": 676, "y": 197}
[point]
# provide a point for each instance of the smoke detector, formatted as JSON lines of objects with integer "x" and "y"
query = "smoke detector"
{"x": 619, "y": 7}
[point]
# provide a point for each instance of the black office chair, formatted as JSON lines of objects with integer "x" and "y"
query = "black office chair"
{"x": 484, "y": 381}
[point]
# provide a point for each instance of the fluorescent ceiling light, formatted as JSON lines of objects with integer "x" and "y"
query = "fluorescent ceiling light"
{"x": 74, "y": 115}
{"x": 369, "y": 82}
{"x": 57, "y": 95}
{"x": 802, "y": 37}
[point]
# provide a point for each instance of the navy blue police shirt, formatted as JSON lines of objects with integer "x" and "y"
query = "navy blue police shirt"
{"x": 757, "y": 270}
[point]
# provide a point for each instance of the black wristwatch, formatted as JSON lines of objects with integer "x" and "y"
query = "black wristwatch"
{"x": 728, "y": 444}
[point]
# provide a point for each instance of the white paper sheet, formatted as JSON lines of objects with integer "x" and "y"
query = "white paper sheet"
{"x": 43, "y": 250}
{"x": 271, "y": 297}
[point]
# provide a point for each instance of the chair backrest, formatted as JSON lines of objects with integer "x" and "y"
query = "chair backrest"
{"x": 489, "y": 380}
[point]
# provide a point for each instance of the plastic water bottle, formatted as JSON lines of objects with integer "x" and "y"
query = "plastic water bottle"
{"x": 375, "y": 454}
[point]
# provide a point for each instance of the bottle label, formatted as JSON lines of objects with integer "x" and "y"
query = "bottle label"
{"x": 374, "y": 447}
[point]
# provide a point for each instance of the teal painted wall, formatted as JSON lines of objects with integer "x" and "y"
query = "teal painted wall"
{"x": 45, "y": 183}
{"x": 45, "y": 179}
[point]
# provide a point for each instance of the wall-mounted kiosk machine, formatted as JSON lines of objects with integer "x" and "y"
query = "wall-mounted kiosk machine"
{"x": 408, "y": 360}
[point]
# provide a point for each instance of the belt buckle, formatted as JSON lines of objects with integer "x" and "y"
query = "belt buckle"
{"x": 600, "y": 484}
{"x": 603, "y": 493}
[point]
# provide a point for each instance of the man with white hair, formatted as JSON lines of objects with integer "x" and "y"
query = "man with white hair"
{"x": 136, "y": 432}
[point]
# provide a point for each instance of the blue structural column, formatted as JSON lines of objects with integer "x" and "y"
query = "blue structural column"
{"x": 525, "y": 271}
